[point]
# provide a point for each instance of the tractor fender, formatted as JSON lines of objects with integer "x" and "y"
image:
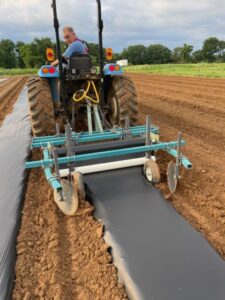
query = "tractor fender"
{"x": 48, "y": 71}
{"x": 108, "y": 69}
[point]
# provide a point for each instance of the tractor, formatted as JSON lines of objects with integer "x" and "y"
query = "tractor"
{"x": 84, "y": 117}
{"x": 80, "y": 94}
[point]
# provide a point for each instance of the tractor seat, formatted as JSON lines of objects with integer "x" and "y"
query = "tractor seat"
{"x": 79, "y": 64}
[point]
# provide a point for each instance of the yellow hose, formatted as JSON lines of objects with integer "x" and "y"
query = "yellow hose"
{"x": 85, "y": 93}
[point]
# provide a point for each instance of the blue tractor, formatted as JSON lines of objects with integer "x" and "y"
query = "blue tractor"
{"x": 83, "y": 119}
{"x": 80, "y": 94}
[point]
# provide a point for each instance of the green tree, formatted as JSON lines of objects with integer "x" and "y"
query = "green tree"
{"x": 136, "y": 55}
{"x": 221, "y": 54}
{"x": 197, "y": 56}
{"x": 210, "y": 49}
{"x": 8, "y": 54}
{"x": 20, "y": 62}
{"x": 93, "y": 49}
{"x": 182, "y": 54}
{"x": 116, "y": 56}
{"x": 33, "y": 55}
{"x": 186, "y": 51}
{"x": 176, "y": 55}
{"x": 26, "y": 55}
{"x": 158, "y": 54}
{"x": 39, "y": 47}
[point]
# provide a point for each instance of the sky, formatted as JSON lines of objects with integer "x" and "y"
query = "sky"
{"x": 126, "y": 22}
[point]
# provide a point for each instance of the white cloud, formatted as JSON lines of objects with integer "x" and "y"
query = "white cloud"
{"x": 126, "y": 22}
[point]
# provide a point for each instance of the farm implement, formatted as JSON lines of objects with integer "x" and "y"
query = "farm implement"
{"x": 85, "y": 121}
{"x": 67, "y": 157}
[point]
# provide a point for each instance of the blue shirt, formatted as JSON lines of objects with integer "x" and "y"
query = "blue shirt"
{"x": 77, "y": 46}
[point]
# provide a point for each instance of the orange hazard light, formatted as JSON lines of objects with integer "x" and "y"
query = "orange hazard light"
{"x": 50, "y": 54}
{"x": 45, "y": 70}
{"x": 109, "y": 53}
{"x": 117, "y": 68}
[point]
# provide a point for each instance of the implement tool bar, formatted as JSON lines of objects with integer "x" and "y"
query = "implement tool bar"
{"x": 87, "y": 137}
{"x": 104, "y": 154}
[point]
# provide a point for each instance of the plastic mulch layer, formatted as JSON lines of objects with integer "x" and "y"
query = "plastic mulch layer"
{"x": 158, "y": 254}
{"x": 14, "y": 147}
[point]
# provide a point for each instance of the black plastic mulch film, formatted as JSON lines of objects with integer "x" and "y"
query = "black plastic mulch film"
{"x": 158, "y": 254}
{"x": 14, "y": 148}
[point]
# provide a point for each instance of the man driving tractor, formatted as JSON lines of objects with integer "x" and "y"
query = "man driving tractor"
{"x": 75, "y": 45}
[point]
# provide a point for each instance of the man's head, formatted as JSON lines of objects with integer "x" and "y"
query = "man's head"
{"x": 69, "y": 35}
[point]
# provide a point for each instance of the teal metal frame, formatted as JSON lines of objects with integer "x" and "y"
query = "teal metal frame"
{"x": 46, "y": 162}
{"x": 85, "y": 137}
{"x": 49, "y": 142}
{"x": 52, "y": 179}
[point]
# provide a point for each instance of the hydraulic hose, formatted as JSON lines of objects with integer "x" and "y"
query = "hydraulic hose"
{"x": 85, "y": 93}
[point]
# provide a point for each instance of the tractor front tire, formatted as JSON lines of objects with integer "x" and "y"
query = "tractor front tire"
{"x": 41, "y": 107}
{"x": 122, "y": 99}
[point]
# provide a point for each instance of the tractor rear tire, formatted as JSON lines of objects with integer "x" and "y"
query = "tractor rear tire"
{"x": 41, "y": 107}
{"x": 122, "y": 99}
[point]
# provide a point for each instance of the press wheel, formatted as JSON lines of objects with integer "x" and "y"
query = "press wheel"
{"x": 67, "y": 200}
{"x": 79, "y": 185}
{"x": 151, "y": 171}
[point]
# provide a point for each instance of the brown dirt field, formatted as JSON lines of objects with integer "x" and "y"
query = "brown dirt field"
{"x": 58, "y": 257}
{"x": 9, "y": 92}
{"x": 61, "y": 257}
{"x": 196, "y": 107}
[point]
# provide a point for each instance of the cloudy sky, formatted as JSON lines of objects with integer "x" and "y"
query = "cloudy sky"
{"x": 127, "y": 22}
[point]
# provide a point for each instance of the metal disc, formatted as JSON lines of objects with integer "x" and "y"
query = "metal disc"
{"x": 79, "y": 185}
{"x": 171, "y": 177}
{"x": 67, "y": 201}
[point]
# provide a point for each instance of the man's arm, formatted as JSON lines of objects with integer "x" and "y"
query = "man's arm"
{"x": 55, "y": 63}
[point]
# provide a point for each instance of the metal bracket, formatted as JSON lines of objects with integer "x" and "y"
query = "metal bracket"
{"x": 69, "y": 145}
{"x": 56, "y": 165}
{"x": 179, "y": 156}
{"x": 89, "y": 117}
{"x": 57, "y": 129}
{"x": 73, "y": 115}
{"x": 98, "y": 123}
{"x": 93, "y": 109}
{"x": 126, "y": 135}
{"x": 57, "y": 174}
{"x": 148, "y": 135}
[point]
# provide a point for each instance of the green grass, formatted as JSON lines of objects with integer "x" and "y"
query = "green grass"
{"x": 198, "y": 70}
{"x": 13, "y": 72}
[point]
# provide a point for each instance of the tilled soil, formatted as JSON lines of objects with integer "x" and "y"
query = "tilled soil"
{"x": 61, "y": 257}
{"x": 196, "y": 107}
{"x": 58, "y": 257}
{"x": 9, "y": 91}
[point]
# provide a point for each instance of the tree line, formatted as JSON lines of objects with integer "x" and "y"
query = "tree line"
{"x": 32, "y": 55}
{"x": 213, "y": 50}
